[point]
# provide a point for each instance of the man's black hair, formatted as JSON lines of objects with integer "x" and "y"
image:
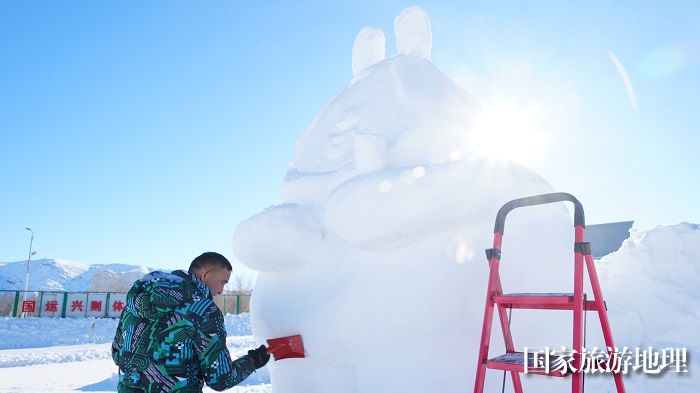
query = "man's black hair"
{"x": 210, "y": 259}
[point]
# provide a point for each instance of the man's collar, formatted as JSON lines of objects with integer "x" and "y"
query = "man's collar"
{"x": 200, "y": 285}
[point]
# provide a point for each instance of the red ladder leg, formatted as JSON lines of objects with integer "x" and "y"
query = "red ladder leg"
{"x": 603, "y": 316}
{"x": 491, "y": 291}
{"x": 577, "y": 377}
{"x": 508, "y": 338}
{"x": 486, "y": 327}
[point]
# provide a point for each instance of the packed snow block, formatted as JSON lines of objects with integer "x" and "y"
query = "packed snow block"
{"x": 375, "y": 255}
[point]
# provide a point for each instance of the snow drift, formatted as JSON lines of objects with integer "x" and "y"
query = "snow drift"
{"x": 650, "y": 285}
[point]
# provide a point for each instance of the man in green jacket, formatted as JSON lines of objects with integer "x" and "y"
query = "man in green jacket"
{"x": 171, "y": 336}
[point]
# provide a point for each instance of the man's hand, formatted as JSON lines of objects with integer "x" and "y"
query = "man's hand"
{"x": 260, "y": 356}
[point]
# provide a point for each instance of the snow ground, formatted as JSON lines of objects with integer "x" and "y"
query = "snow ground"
{"x": 73, "y": 355}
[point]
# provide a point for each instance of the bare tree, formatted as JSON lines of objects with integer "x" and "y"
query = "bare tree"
{"x": 240, "y": 284}
{"x": 110, "y": 281}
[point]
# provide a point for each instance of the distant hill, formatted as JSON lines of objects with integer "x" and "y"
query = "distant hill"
{"x": 65, "y": 275}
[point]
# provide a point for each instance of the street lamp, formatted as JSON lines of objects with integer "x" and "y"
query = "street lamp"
{"x": 26, "y": 277}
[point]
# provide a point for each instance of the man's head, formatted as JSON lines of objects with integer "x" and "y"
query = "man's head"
{"x": 213, "y": 269}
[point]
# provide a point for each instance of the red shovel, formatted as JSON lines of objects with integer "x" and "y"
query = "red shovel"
{"x": 286, "y": 347}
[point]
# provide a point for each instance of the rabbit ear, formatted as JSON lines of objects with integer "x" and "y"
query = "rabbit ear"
{"x": 369, "y": 48}
{"x": 414, "y": 36}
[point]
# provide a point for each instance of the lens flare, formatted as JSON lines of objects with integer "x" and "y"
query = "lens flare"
{"x": 508, "y": 131}
{"x": 625, "y": 79}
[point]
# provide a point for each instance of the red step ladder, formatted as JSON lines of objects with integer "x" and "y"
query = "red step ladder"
{"x": 576, "y": 302}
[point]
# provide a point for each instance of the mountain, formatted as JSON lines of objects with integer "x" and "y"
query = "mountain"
{"x": 65, "y": 275}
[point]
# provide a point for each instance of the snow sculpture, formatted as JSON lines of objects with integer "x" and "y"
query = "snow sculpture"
{"x": 376, "y": 255}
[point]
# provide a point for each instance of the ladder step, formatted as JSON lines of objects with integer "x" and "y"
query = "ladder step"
{"x": 545, "y": 301}
{"x": 513, "y": 361}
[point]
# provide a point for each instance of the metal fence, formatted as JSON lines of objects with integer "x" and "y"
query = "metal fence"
{"x": 90, "y": 304}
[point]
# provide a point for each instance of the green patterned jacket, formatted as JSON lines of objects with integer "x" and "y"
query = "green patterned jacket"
{"x": 171, "y": 338}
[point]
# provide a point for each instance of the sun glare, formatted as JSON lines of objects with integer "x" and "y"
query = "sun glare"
{"x": 509, "y": 132}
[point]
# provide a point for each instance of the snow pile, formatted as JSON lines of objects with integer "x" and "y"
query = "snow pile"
{"x": 44, "y": 332}
{"x": 376, "y": 255}
{"x": 650, "y": 285}
{"x": 655, "y": 275}
{"x": 237, "y": 325}
{"x": 63, "y": 355}
{"x": 57, "y": 354}
{"x": 64, "y": 275}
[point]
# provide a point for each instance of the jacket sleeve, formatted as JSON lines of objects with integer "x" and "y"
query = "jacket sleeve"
{"x": 220, "y": 373}
{"x": 118, "y": 341}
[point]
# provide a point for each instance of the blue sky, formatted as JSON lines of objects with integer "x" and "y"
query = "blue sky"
{"x": 143, "y": 133}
